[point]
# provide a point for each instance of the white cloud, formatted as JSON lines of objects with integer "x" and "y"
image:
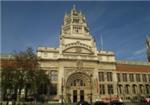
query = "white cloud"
{"x": 140, "y": 51}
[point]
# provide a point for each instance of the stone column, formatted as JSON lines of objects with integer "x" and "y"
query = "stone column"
{"x": 115, "y": 83}
{"x": 60, "y": 79}
{"x": 96, "y": 84}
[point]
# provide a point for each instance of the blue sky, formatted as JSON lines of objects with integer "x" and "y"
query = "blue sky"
{"x": 123, "y": 25}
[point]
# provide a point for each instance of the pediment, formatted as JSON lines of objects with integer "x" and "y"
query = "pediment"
{"x": 77, "y": 50}
{"x": 78, "y": 47}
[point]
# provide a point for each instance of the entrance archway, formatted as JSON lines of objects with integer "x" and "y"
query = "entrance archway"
{"x": 78, "y": 87}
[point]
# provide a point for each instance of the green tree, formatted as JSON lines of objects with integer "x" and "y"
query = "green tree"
{"x": 8, "y": 84}
{"x": 42, "y": 85}
{"x": 27, "y": 64}
{"x": 26, "y": 75}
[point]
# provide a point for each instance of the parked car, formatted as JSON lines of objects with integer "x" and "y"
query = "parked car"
{"x": 116, "y": 103}
{"x": 147, "y": 100}
{"x": 100, "y": 103}
{"x": 83, "y": 103}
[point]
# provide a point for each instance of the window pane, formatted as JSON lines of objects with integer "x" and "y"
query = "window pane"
{"x": 53, "y": 75}
{"x": 144, "y": 78}
{"x": 131, "y": 77}
{"x": 53, "y": 89}
{"x": 124, "y": 77}
{"x": 102, "y": 89}
{"x": 109, "y": 76}
{"x": 110, "y": 89}
{"x": 101, "y": 76}
{"x": 118, "y": 77}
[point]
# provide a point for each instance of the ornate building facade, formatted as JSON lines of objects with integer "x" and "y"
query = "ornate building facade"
{"x": 79, "y": 71}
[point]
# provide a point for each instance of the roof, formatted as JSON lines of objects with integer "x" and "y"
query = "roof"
{"x": 6, "y": 56}
{"x": 132, "y": 68}
{"x": 6, "y": 63}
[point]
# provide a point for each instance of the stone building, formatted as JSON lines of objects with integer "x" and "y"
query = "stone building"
{"x": 79, "y": 71}
{"x": 133, "y": 80}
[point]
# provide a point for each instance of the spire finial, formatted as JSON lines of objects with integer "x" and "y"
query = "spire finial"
{"x": 74, "y": 7}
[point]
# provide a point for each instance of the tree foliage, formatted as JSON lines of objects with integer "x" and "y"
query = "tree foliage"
{"x": 26, "y": 77}
{"x": 26, "y": 60}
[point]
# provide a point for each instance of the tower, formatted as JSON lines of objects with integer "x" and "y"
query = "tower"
{"x": 77, "y": 61}
{"x": 148, "y": 48}
{"x": 75, "y": 32}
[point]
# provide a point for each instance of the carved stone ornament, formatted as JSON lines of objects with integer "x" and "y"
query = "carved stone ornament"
{"x": 78, "y": 50}
{"x": 79, "y": 65}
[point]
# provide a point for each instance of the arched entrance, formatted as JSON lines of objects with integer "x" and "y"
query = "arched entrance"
{"x": 78, "y": 87}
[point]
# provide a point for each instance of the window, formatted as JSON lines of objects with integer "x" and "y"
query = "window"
{"x": 131, "y": 77}
{"x": 53, "y": 89}
{"x": 75, "y": 20}
{"x": 102, "y": 88}
{"x": 120, "y": 89}
{"x": 109, "y": 76}
{"x": 144, "y": 78}
{"x": 149, "y": 77}
{"x": 53, "y": 75}
{"x": 78, "y": 82}
{"x": 141, "y": 89}
{"x": 74, "y": 83}
{"x": 110, "y": 89}
{"x": 134, "y": 89}
{"x": 118, "y": 77}
{"x": 81, "y": 83}
{"x": 67, "y": 21}
{"x": 138, "y": 78}
{"x": 127, "y": 89}
{"x": 42, "y": 89}
{"x": 74, "y": 95}
{"x": 101, "y": 76}
{"x": 147, "y": 89}
{"x": 124, "y": 77}
{"x": 77, "y": 29}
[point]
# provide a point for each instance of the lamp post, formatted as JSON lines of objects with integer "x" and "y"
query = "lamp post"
{"x": 62, "y": 90}
{"x": 110, "y": 95}
{"x": 110, "y": 91}
{"x": 91, "y": 88}
{"x": 118, "y": 89}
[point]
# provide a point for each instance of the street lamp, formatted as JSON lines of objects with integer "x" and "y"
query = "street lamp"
{"x": 110, "y": 92}
{"x": 91, "y": 88}
{"x": 62, "y": 90}
{"x": 118, "y": 89}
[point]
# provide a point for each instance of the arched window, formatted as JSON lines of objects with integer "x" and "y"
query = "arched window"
{"x": 81, "y": 83}
{"x": 74, "y": 83}
{"x": 147, "y": 89}
{"x": 127, "y": 89}
{"x": 134, "y": 89}
{"x": 141, "y": 89}
{"x": 78, "y": 82}
{"x": 120, "y": 89}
